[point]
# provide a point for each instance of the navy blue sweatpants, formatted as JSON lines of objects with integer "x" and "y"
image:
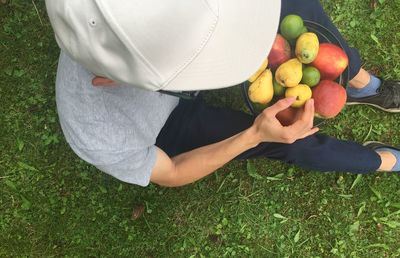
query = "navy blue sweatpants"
{"x": 194, "y": 124}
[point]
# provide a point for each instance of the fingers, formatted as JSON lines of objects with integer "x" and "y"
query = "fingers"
{"x": 309, "y": 111}
{"x": 271, "y": 130}
{"x": 103, "y": 81}
{"x": 310, "y": 132}
{"x": 280, "y": 105}
{"x": 304, "y": 125}
{"x": 307, "y": 115}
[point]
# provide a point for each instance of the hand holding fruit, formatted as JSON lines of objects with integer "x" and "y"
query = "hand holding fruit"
{"x": 269, "y": 129}
{"x": 289, "y": 115}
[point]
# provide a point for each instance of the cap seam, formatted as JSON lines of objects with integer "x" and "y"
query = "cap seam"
{"x": 210, "y": 8}
{"x": 124, "y": 38}
{"x": 198, "y": 51}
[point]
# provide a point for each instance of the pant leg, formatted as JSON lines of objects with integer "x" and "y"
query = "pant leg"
{"x": 194, "y": 124}
{"x": 313, "y": 11}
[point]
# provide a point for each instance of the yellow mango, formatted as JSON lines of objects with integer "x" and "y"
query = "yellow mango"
{"x": 259, "y": 71}
{"x": 261, "y": 90}
{"x": 289, "y": 74}
{"x": 307, "y": 47}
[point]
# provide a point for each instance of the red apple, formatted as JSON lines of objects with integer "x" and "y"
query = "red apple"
{"x": 280, "y": 52}
{"x": 331, "y": 61}
{"x": 288, "y": 116}
{"x": 329, "y": 98}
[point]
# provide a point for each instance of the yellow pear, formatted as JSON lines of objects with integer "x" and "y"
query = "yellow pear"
{"x": 259, "y": 71}
{"x": 289, "y": 74}
{"x": 307, "y": 47}
{"x": 261, "y": 90}
{"x": 302, "y": 93}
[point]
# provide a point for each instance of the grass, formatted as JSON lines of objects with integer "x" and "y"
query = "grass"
{"x": 53, "y": 204}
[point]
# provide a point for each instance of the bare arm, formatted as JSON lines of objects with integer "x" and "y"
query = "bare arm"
{"x": 193, "y": 165}
{"x": 198, "y": 163}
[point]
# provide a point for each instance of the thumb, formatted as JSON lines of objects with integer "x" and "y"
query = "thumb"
{"x": 281, "y": 105}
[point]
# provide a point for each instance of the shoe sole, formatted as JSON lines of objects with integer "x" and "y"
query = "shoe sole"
{"x": 373, "y": 105}
{"x": 384, "y": 145}
{"x": 371, "y": 142}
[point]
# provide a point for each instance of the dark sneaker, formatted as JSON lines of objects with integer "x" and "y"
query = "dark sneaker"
{"x": 387, "y": 97}
{"x": 373, "y": 145}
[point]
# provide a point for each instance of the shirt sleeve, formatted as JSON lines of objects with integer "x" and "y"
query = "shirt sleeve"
{"x": 134, "y": 167}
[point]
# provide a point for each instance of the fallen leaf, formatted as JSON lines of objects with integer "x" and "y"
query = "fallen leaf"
{"x": 137, "y": 212}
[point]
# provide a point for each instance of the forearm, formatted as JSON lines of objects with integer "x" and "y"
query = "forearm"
{"x": 193, "y": 165}
{"x": 198, "y": 163}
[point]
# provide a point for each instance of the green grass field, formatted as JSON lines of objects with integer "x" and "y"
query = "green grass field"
{"x": 53, "y": 204}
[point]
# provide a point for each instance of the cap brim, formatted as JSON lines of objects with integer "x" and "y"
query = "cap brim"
{"x": 240, "y": 43}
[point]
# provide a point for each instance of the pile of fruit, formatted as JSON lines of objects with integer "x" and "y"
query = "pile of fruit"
{"x": 298, "y": 65}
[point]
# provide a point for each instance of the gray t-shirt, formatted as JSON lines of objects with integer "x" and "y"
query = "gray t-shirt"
{"x": 113, "y": 128}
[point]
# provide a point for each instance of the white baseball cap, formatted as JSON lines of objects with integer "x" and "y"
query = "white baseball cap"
{"x": 167, "y": 44}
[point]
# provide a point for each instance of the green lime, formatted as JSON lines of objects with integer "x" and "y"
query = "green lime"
{"x": 279, "y": 90}
{"x": 292, "y": 26}
{"x": 311, "y": 76}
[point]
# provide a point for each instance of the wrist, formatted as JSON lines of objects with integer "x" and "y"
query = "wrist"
{"x": 252, "y": 136}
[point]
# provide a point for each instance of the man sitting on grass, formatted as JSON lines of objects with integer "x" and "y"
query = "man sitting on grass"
{"x": 116, "y": 55}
